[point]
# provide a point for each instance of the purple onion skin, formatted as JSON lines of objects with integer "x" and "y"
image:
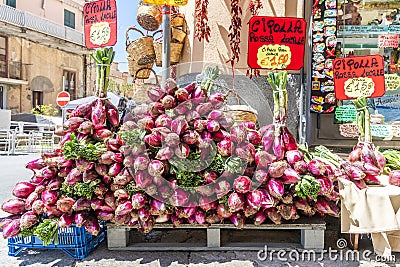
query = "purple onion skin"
{"x": 65, "y": 204}
{"x": 92, "y": 226}
{"x": 23, "y": 189}
{"x": 36, "y": 164}
{"x": 293, "y": 156}
{"x": 355, "y": 155}
{"x": 372, "y": 180}
{"x": 254, "y": 137}
{"x": 66, "y": 220}
{"x": 238, "y": 134}
{"x": 236, "y": 202}
{"x": 380, "y": 159}
{"x": 394, "y": 177}
{"x": 124, "y": 208}
{"x": 268, "y": 138}
{"x": 49, "y": 197}
{"x": 288, "y": 139}
{"x": 290, "y": 176}
{"x": 260, "y": 218}
{"x": 11, "y": 229}
{"x": 98, "y": 113}
{"x": 225, "y": 147}
{"x": 28, "y": 219}
{"x": 82, "y": 204}
{"x": 156, "y": 168}
{"x": 238, "y": 220}
{"x": 255, "y": 199}
{"x": 277, "y": 169}
{"x": 223, "y": 211}
{"x": 275, "y": 188}
{"x": 242, "y": 184}
{"x": 263, "y": 159}
{"x": 316, "y": 167}
{"x": 138, "y": 201}
{"x": 279, "y": 147}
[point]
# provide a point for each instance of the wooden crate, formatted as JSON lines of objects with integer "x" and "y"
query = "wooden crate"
{"x": 312, "y": 237}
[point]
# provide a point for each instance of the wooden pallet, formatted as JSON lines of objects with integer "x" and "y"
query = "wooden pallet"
{"x": 312, "y": 237}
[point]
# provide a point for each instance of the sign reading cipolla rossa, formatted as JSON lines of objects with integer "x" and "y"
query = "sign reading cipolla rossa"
{"x": 276, "y": 43}
{"x": 362, "y": 76}
{"x": 100, "y": 20}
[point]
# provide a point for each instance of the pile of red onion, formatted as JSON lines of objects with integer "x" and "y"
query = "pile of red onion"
{"x": 139, "y": 185}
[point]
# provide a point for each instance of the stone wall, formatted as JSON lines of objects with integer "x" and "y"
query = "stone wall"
{"x": 41, "y": 60}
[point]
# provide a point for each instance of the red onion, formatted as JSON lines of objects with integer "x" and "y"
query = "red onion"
{"x": 242, "y": 184}
{"x": 14, "y": 206}
{"x": 82, "y": 204}
{"x": 212, "y": 218}
{"x": 182, "y": 151}
{"x": 261, "y": 175}
{"x": 215, "y": 115}
{"x": 11, "y": 229}
{"x": 36, "y": 164}
{"x": 170, "y": 86}
{"x": 249, "y": 210}
{"x": 182, "y": 95}
{"x": 190, "y": 137}
{"x": 213, "y": 126}
{"x": 138, "y": 201}
{"x": 183, "y": 108}
{"x": 260, "y": 218}
{"x": 268, "y": 137}
{"x": 200, "y": 217}
{"x": 192, "y": 116}
{"x": 254, "y": 137}
{"x": 38, "y": 207}
{"x": 236, "y": 202}
{"x": 288, "y": 212}
{"x": 121, "y": 194}
{"x": 238, "y": 134}
{"x": 157, "y": 207}
{"x": 200, "y": 125}
{"x": 277, "y": 169}
{"x": 263, "y": 159}
{"x": 49, "y": 197}
{"x": 290, "y": 176}
{"x": 275, "y": 188}
{"x": 155, "y": 109}
{"x": 255, "y": 199}
{"x": 267, "y": 201}
{"x": 146, "y": 123}
{"x": 179, "y": 198}
{"x": 316, "y": 167}
{"x": 109, "y": 199}
{"x": 372, "y": 180}
{"x": 96, "y": 204}
{"x": 225, "y": 147}
{"x": 66, "y": 220}
{"x": 141, "y": 163}
{"x": 238, "y": 220}
{"x": 293, "y": 156}
{"x": 65, "y": 204}
{"x": 115, "y": 169}
{"x": 199, "y": 95}
{"x": 72, "y": 124}
{"x": 210, "y": 176}
{"x": 288, "y": 139}
{"x": 30, "y": 199}
{"x": 279, "y": 147}
{"x": 394, "y": 177}
{"x": 223, "y": 211}
{"x": 28, "y": 219}
{"x": 179, "y": 126}
{"x": 207, "y": 204}
{"x": 222, "y": 188}
{"x": 152, "y": 140}
{"x": 124, "y": 208}
{"x": 380, "y": 159}
{"x": 168, "y": 102}
{"x": 217, "y": 100}
{"x": 142, "y": 179}
{"x": 23, "y": 189}
{"x": 155, "y": 93}
{"x": 80, "y": 219}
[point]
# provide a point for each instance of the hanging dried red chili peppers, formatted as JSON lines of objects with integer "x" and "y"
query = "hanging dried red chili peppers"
{"x": 255, "y": 6}
{"x": 234, "y": 31}
{"x": 201, "y": 29}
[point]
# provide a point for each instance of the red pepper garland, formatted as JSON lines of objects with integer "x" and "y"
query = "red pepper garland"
{"x": 201, "y": 29}
{"x": 255, "y": 6}
{"x": 234, "y": 31}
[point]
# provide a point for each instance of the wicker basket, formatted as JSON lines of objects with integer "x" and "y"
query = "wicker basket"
{"x": 140, "y": 94}
{"x": 141, "y": 50}
{"x": 149, "y": 16}
{"x": 134, "y": 67}
{"x": 175, "y": 51}
{"x": 241, "y": 113}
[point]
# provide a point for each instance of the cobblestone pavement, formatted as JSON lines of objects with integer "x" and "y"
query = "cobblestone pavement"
{"x": 12, "y": 170}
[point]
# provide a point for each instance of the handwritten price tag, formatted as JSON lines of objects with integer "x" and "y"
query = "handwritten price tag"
{"x": 381, "y": 130}
{"x": 274, "y": 56}
{"x": 359, "y": 87}
{"x": 100, "y": 33}
{"x": 392, "y": 81}
{"x": 346, "y": 113}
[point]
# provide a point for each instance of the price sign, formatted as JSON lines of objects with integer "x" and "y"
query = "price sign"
{"x": 359, "y": 76}
{"x": 380, "y": 130}
{"x": 166, "y": 2}
{"x": 274, "y": 56}
{"x": 359, "y": 87}
{"x": 388, "y": 40}
{"x": 276, "y": 43}
{"x": 346, "y": 113}
{"x": 100, "y": 19}
{"x": 392, "y": 81}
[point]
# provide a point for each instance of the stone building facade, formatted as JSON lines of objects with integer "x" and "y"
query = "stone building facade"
{"x": 42, "y": 52}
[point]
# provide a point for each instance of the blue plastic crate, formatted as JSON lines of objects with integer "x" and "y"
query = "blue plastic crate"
{"x": 75, "y": 241}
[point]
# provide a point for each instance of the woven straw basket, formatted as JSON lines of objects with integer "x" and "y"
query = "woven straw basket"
{"x": 141, "y": 50}
{"x": 140, "y": 94}
{"x": 134, "y": 67}
{"x": 241, "y": 113}
{"x": 175, "y": 51}
{"x": 149, "y": 17}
